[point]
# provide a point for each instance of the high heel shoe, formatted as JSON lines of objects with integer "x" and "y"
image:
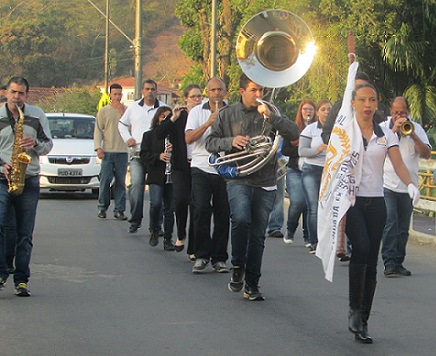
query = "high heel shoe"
{"x": 179, "y": 245}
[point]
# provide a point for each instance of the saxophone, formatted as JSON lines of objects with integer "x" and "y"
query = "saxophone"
{"x": 19, "y": 159}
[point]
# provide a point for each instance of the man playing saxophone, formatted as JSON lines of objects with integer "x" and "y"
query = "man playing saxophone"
{"x": 30, "y": 131}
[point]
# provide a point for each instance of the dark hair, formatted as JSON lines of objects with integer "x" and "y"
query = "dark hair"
{"x": 149, "y": 81}
{"x": 360, "y": 86}
{"x": 157, "y": 114}
{"x": 188, "y": 88}
{"x": 19, "y": 81}
{"x": 115, "y": 86}
{"x": 299, "y": 117}
{"x": 3, "y": 87}
{"x": 362, "y": 76}
{"x": 244, "y": 81}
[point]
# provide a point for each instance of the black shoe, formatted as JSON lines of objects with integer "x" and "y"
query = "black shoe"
{"x": 390, "y": 271}
{"x": 154, "y": 238}
{"x": 21, "y": 290}
{"x": 101, "y": 214}
{"x": 168, "y": 245}
{"x": 134, "y": 228}
{"x": 403, "y": 271}
{"x": 237, "y": 281}
{"x": 252, "y": 292}
{"x": 199, "y": 265}
{"x": 120, "y": 216}
{"x": 179, "y": 248}
{"x": 363, "y": 337}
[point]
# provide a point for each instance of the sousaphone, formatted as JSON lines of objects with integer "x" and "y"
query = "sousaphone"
{"x": 275, "y": 48}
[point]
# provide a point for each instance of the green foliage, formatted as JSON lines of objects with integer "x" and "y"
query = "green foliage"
{"x": 76, "y": 100}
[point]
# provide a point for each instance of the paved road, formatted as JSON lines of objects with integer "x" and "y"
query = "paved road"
{"x": 98, "y": 290}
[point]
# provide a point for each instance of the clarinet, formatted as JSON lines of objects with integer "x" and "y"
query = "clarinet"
{"x": 168, "y": 168}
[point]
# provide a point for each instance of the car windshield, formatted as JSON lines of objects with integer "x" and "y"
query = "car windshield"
{"x": 71, "y": 127}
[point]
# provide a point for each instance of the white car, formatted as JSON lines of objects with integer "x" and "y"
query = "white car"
{"x": 72, "y": 164}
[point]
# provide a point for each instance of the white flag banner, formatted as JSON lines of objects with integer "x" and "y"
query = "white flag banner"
{"x": 340, "y": 178}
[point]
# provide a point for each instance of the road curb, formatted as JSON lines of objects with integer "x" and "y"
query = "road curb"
{"x": 422, "y": 238}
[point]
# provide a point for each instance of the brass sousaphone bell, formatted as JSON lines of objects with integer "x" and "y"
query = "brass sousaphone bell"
{"x": 275, "y": 48}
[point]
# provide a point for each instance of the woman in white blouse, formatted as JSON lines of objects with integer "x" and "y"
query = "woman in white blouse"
{"x": 313, "y": 149}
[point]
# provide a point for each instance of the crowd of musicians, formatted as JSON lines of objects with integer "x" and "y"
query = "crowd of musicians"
{"x": 196, "y": 204}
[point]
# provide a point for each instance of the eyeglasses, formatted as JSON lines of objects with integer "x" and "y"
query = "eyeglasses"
{"x": 400, "y": 113}
{"x": 308, "y": 109}
{"x": 195, "y": 96}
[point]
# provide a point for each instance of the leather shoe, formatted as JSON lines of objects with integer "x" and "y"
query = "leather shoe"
{"x": 179, "y": 245}
{"x": 403, "y": 271}
{"x": 390, "y": 271}
{"x": 363, "y": 337}
{"x": 101, "y": 214}
{"x": 120, "y": 216}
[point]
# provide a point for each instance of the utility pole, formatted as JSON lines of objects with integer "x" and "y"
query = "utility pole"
{"x": 213, "y": 44}
{"x": 106, "y": 50}
{"x": 136, "y": 43}
{"x": 138, "y": 49}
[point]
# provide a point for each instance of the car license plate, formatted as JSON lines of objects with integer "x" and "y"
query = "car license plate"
{"x": 62, "y": 172}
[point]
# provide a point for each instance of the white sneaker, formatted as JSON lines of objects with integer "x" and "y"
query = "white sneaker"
{"x": 288, "y": 240}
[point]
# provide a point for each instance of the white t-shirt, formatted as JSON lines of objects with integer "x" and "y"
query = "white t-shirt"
{"x": 196, "y": 118}
{"x": 410, "y": 157}
{"x": 371, "y": 184}
{"x": 314, "y": 131}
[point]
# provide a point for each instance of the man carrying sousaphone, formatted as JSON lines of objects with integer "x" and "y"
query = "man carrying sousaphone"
{"x": 251, "y": 196}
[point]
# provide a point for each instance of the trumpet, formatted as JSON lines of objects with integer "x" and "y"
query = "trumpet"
{"x": 168, "y": 167}
{"x": 407, "y": 128}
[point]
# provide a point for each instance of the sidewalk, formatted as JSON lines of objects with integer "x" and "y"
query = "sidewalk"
{"x": 423, "y": 230}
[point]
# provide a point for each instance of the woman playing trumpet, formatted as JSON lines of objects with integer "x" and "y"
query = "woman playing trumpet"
{"x": 156, "y": 154}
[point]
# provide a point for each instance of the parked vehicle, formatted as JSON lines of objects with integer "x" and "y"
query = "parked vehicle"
{"x": 72, "y": 164}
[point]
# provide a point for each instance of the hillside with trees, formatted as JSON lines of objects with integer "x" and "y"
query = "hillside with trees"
{"x": 58, "y": 43}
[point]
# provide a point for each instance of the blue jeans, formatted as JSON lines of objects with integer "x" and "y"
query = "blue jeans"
{"x": 297, "y": 202}
{"x": 396, "y": 233}
{"x": 364, "y": 228}
{"x": 11, "y": 237}
{"x": 162, "y": 199}
{"x": 25, "y": 209}
{"x": 114, "y": 164}
{"x": 277, "y": 217}
{"x": 311, "y": 180}
{"x": 209, "y": 197}
{"x": 249, "y": 212}
{"x": 136, "y": 191}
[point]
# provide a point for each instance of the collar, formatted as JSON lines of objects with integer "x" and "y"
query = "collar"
{"x": 377, "y": 129}
{"x": 9, "y": 113}
{"x": 156, "y": 103}
{"x": 206, "y": 105}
